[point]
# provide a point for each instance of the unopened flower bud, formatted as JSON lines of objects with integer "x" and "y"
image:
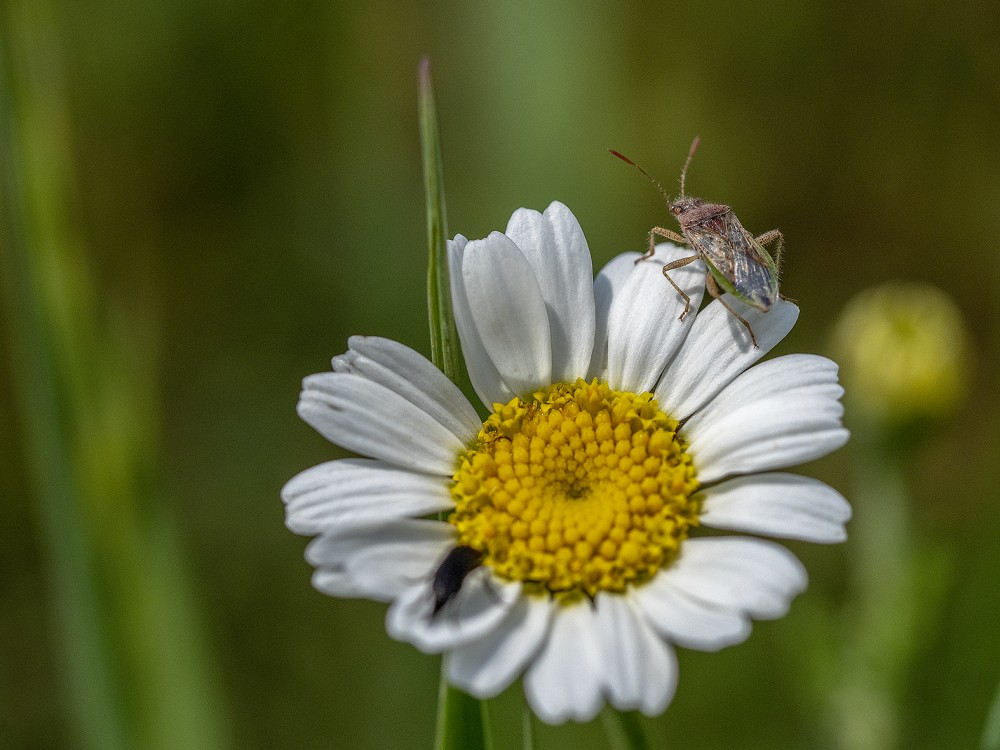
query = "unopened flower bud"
{"x": 903, "y": 350}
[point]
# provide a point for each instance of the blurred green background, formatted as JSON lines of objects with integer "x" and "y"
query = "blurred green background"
{"x": 212, "y": 196}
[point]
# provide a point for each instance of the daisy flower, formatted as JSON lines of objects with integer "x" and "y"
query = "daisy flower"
{"x": 581, "y": 540}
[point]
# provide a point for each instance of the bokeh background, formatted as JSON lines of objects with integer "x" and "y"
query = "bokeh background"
{"x": 203, "y": 200}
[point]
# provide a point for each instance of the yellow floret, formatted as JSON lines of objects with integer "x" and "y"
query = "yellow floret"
{"x": 566, "y": 491}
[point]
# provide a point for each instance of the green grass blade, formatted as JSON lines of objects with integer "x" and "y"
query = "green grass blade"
{"x": 444, "y": 337}
{"x": 90, "y": 695}
{"x": 460, "y": 721}
{"x": 134, "y": 664}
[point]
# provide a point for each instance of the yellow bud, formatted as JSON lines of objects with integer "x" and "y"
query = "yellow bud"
{"x": 903, "y": 351}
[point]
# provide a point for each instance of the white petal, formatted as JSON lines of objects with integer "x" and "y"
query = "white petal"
{"x": 718, "y": 349}
{"x": 799, "y": 374}
{"x": 776, "y": 414}
{"x": 644, "y": 331}
{"x": 565, "y": 680}
{"x": 555, "y": 247}
{"x": 479, "y": 607}
{"x": 379, "y": 561}
{"x": 744, "y": 574}
{"x": 487, "y": 666}
{"x": 687, "y": 621}
{"x": 769, "y": 433}
{"x": 607, "y": 287}
{"x": 359, "y": 491}
{"x": 783, "y": 505}
{"x": 508, "y": 310}
{"x": 369, "y": 419}
{"x": 485, "y": 377}
{"x": 408, "y": 373}
{"x": 639, "y": 670}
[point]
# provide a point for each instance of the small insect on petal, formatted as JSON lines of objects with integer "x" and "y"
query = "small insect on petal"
{"x": 737, "y": 261}
{"x": 451, "y": 574}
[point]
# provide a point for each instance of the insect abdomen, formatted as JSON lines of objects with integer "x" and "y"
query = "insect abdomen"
{"x": 451, "y": 574}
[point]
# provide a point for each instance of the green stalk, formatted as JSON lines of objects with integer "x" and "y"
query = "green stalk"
{"x": 460, "y": 723}
{"x": 527, "y": 727}
{"x": 991, "y": 732}
{"x": 624, "y": 730}
{"x": 896, "y": 586}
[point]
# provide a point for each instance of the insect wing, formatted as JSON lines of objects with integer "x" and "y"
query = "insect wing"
{"x": 741, "y": 265}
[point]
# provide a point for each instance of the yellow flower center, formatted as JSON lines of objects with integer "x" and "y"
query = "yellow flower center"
{"x": 576, "y": 490}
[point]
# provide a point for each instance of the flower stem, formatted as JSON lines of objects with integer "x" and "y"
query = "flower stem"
{"x": 527, "y": 727}
{"x": 460, "y": 723}
{"x": 624, "y": 730}
{"x": 991, "y": 732}
{"x": 896, "y": 588}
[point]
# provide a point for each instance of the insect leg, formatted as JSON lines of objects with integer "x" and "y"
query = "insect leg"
{"x": 713, "y": 289}
{"x": 664, "y": 234}
{"x": 767, "y": 238}
{"x": 670, "y": 267}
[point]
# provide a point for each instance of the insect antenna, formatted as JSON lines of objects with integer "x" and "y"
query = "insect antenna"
{"x": 659, "y": 187}
{"x": 694, "y": 146}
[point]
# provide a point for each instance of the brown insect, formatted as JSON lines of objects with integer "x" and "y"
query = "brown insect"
{"x": 737, "y": 261}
